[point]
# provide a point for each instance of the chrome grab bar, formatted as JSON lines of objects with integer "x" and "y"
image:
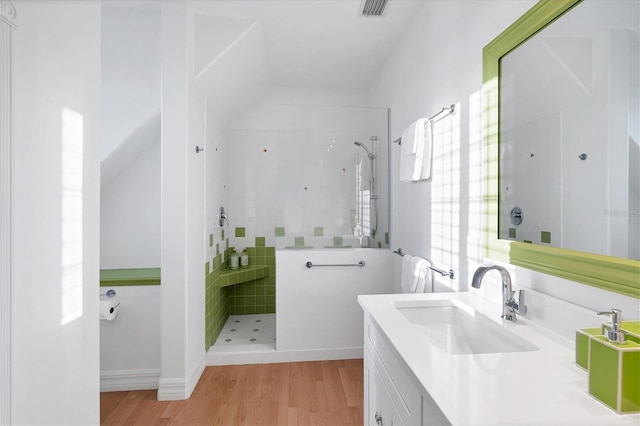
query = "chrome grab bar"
{"x": 359, "y": 264}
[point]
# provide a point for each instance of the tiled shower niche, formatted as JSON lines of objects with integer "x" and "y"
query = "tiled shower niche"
{"x": 238, "y": 292}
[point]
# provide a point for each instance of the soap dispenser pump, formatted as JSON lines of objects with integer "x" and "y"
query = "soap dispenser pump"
{"x": 614, "y": 334}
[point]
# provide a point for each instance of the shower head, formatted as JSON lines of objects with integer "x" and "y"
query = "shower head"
{"x": 369, "y": 154}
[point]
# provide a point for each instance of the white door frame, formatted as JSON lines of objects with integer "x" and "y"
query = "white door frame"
{"x": 7, "y": 15}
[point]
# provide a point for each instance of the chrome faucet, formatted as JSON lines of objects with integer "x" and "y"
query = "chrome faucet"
{"x": 509, "y": 305}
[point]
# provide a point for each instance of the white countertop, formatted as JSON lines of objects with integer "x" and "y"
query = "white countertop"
{"x": 537, "y": 387}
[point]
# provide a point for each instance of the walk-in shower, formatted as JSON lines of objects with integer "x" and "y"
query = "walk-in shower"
{"x": 300, "y": 192}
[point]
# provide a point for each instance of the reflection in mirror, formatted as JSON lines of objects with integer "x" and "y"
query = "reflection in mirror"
{"x": 569, "y": 147}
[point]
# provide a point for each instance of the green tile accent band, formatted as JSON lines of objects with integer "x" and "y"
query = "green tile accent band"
{"x": 210, "y": 240}
{"x": 545, "y": 237}
{"x": 512, "y": 232}
{"x": 279, "y": 231}
{"x": 240, "y": 232}
{"x": 129, "y": 277}
{"x": 260, "y": 241}
{"x": 337, "y": 241}
{"x": 318, "y": 231}
{"x": 298, "y": 241}
{"x": 222, "y": 237}
{"x": 386, "y": 238}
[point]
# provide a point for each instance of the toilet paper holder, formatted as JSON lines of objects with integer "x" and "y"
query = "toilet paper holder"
{"x": 110, "y": 293}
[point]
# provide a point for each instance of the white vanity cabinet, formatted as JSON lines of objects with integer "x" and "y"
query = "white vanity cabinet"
{"x": 393, "y": 395}
{"x": 380, "y": 409}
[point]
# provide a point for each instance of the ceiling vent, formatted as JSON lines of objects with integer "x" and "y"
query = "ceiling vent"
{"x": 369, "y": 8}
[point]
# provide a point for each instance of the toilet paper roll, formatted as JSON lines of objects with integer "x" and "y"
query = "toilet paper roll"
{"x": 108, "y": 309}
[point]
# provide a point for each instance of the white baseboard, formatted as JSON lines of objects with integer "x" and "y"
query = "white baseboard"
{"x": 127, "y": 380}
{"x": 178, "y": 388}
{"x": 276, "y": 356}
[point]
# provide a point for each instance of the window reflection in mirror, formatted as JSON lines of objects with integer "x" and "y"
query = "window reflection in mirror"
{"x": 570, "y": 142}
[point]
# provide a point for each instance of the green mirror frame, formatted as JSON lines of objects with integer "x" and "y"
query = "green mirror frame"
{"x": 605, "y": 272}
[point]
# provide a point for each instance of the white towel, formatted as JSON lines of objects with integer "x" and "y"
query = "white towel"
{"x": 407, "y": 153}
{"x": 415, "y": 274}
{"x": 414, "y": 147}
{"x": 419, "y": 147}
{"x": 422, "y": 268}
{"x": 424, "y": 156}
{"x": 425, "y": 280}
{"x": 409, "y": 279}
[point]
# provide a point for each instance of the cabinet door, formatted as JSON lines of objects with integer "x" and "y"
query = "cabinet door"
{"x": 380, "y": 410}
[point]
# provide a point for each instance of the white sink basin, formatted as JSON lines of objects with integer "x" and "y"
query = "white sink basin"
{"x": 458, "y": 329}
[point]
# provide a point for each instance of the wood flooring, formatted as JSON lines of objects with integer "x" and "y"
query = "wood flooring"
{"x": 303, "y": 393}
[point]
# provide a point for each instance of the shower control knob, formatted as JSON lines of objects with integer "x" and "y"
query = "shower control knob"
{"x": 516, "y": 216}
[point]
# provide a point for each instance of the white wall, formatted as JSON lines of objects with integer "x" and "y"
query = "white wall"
{"x": 130, "y": 214}
{"x": 131, "y": 68}
{"x": 197, "y": 241}
{"x": 130, "y": 189}
{"x": 130, "y": 343}
{"x": 54, "y": 347}
{"x": 183, "y": 204}
{"x": 441, "y": 219}
{"x": 317, "y": 308}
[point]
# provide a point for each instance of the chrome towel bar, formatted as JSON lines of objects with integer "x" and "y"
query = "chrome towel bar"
{"x": 449, "y": 111}
{"x": 448, "y": 273}
{"x": 359, "y": 264}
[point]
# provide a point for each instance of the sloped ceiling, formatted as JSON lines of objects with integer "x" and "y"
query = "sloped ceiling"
{"x": 214, "y": 35}
{"x": 137, "y": 143}
{"x": 244, "y": 47}
{"x": 232, "y": 73}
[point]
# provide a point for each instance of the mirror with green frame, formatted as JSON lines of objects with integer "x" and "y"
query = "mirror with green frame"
{"x": 562, "y": 185}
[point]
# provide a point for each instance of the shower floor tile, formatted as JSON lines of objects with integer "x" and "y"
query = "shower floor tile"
{"x": 247, "y": 333}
